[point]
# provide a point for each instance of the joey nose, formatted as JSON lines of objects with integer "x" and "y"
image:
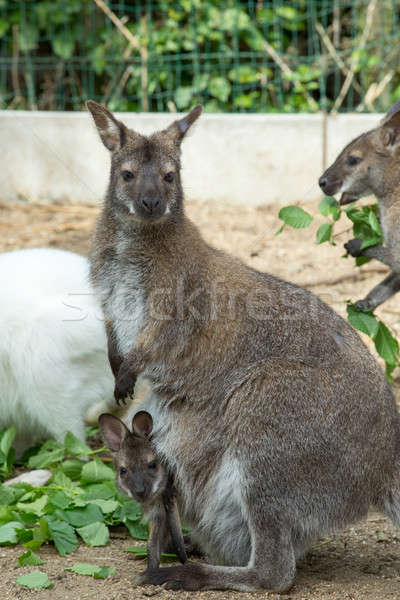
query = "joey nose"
{"x": 150, "y": 204}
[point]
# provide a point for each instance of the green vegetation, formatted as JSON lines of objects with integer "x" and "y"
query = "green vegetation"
{"x": 80, "y": 502}
{"x": 366, "y": 227}
{"x": 230, "y": 55}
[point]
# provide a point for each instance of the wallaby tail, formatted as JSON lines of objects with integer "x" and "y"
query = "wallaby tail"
{"x": 389, "y": 501}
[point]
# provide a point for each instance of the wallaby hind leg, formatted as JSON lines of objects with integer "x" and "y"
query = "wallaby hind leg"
{"x": 272, "y": 566}
{"x": 381, "y": 292}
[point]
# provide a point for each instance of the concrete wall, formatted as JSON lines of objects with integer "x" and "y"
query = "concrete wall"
{"x": 254, "y": 159}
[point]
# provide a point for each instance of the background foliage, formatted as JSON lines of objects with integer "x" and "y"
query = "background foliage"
{"x": 227, "y": 54}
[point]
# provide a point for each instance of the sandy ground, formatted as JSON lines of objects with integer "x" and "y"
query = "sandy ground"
{"x": 360, "y": 563}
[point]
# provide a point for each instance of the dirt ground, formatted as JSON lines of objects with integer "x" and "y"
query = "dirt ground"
{"x": 360, "y": 563}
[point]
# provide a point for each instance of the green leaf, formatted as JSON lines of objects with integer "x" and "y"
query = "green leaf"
{"x": 95, "y": 471}
{"x": 75, "y": 447}
{"x": 106, "y": 506}
{"x": 8, "y": 533}
{"x": 137, "y": 529}
{"x": 63, "y": 45}
{"x": 91, "y": 570}
{"x": 324, "y": 233}
{"x": 30, "y": 559}
{"x": 295, "y": 217}
{"x": 386, "y": 345}
{"x": 374, "y": 223}
{"x": 64, "y": 537}
{"x": 330, "y": 207}
{"x": 220, "y": 88}
{"x": 49, "y": 454}
{"x": 95, "y": 534}
{"x": 363, "y": 321}
{"x": 83, "y": 516}
{"x": 6, "y": 495}
{"x": 183, "y": 97}
{"x": 37, "y": 507}
{"x": 28, "y": 37}
{"x": 7, "y": 439}
{"x": 138, "y": 551}
{"x": 35, "y": 580}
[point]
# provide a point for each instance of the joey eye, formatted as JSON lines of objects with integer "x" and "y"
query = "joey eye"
{"x": 123, "y": 470}
{"x": 127, "y": 175}
{"x": 352, "y": 161}
{"x": 152, "y": 465}
{"x": 169, "y": 177}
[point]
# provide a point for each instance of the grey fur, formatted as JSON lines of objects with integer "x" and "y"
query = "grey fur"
{"x": 377, "y": 172}
{"x": 276, "y": 422}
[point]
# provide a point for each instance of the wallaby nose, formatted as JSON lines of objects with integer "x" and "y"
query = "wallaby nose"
{"x": 150, "y": 204}
{"x": 323, "y": 182}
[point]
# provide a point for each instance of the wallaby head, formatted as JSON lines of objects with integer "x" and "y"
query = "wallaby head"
{"x": 369, "y": 164}
{"x": 139, "y": 472}
{"x": 145, "y": 184}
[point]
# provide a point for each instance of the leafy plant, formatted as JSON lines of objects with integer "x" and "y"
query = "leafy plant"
{"x": 80, "y": 502}
{"x": 91, "y": 570}
{"x": 366, "y": 227}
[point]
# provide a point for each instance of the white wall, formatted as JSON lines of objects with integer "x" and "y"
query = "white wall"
{"x": 254, "y": 159}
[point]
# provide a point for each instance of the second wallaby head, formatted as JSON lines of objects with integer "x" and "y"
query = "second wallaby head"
{"x": 139, "y": 472}
{"x": 369, "y": 164}
{"x": 145, "y": 185}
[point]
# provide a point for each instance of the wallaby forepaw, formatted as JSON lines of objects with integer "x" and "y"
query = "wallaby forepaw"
{"x": 124, "y": 386}
{"x": 364, "y": 305}
{"x": 353, "y": 247}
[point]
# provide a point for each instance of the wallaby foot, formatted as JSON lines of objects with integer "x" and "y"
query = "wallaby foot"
{"x": 272, "y": 567}
{"x": 381, "y": 292}
{"x": 195, "y": 576}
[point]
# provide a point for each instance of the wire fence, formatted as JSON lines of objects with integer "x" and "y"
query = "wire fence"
{"x": 237, "y": 56}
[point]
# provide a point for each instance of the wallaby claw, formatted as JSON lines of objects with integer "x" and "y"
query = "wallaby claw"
{"x": 124, "y": 386}
{"x": 353, "y": 247}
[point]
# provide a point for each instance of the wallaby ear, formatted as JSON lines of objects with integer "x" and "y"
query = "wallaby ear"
{"x": 390, "y": 127}
{"x": 178, "y": 129}
{"x": 111, "y": 131}
{"x": 113, "y": 431}
{"x": 142, "y": 424}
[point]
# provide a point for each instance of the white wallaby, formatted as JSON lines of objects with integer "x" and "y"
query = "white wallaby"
{"x": 54, "y": 369}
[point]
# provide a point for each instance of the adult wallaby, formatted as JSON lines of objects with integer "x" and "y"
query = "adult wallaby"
{"x": 142, "y": 477}
{"x": 54, "y": 371}
{"x": 276, "y": 422}
{"x": 370, "y": 165}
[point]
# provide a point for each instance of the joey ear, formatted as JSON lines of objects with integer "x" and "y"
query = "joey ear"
{"x": 113, "y": 431}
{"x": 111, "y": 131}
{"x": 178, "y": 129}
{"x": 142, "y": 424}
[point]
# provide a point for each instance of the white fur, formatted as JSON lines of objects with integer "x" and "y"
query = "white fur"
{"x": 124, "y": 303}
{"x": 53, "y": 358}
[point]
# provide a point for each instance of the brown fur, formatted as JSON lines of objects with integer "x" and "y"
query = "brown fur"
{"x": 141, "y": 476}
{"x": 376, "y": 171}
{"x": 275, "y": 420}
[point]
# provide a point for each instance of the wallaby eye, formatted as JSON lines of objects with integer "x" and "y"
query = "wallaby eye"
{"x": 123, "y": 470}
{"x": 352, "y": 161}
{"x": 169, "y": 177}
{"x": 127, "y": 175}
{"x": 152, "y": 465}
